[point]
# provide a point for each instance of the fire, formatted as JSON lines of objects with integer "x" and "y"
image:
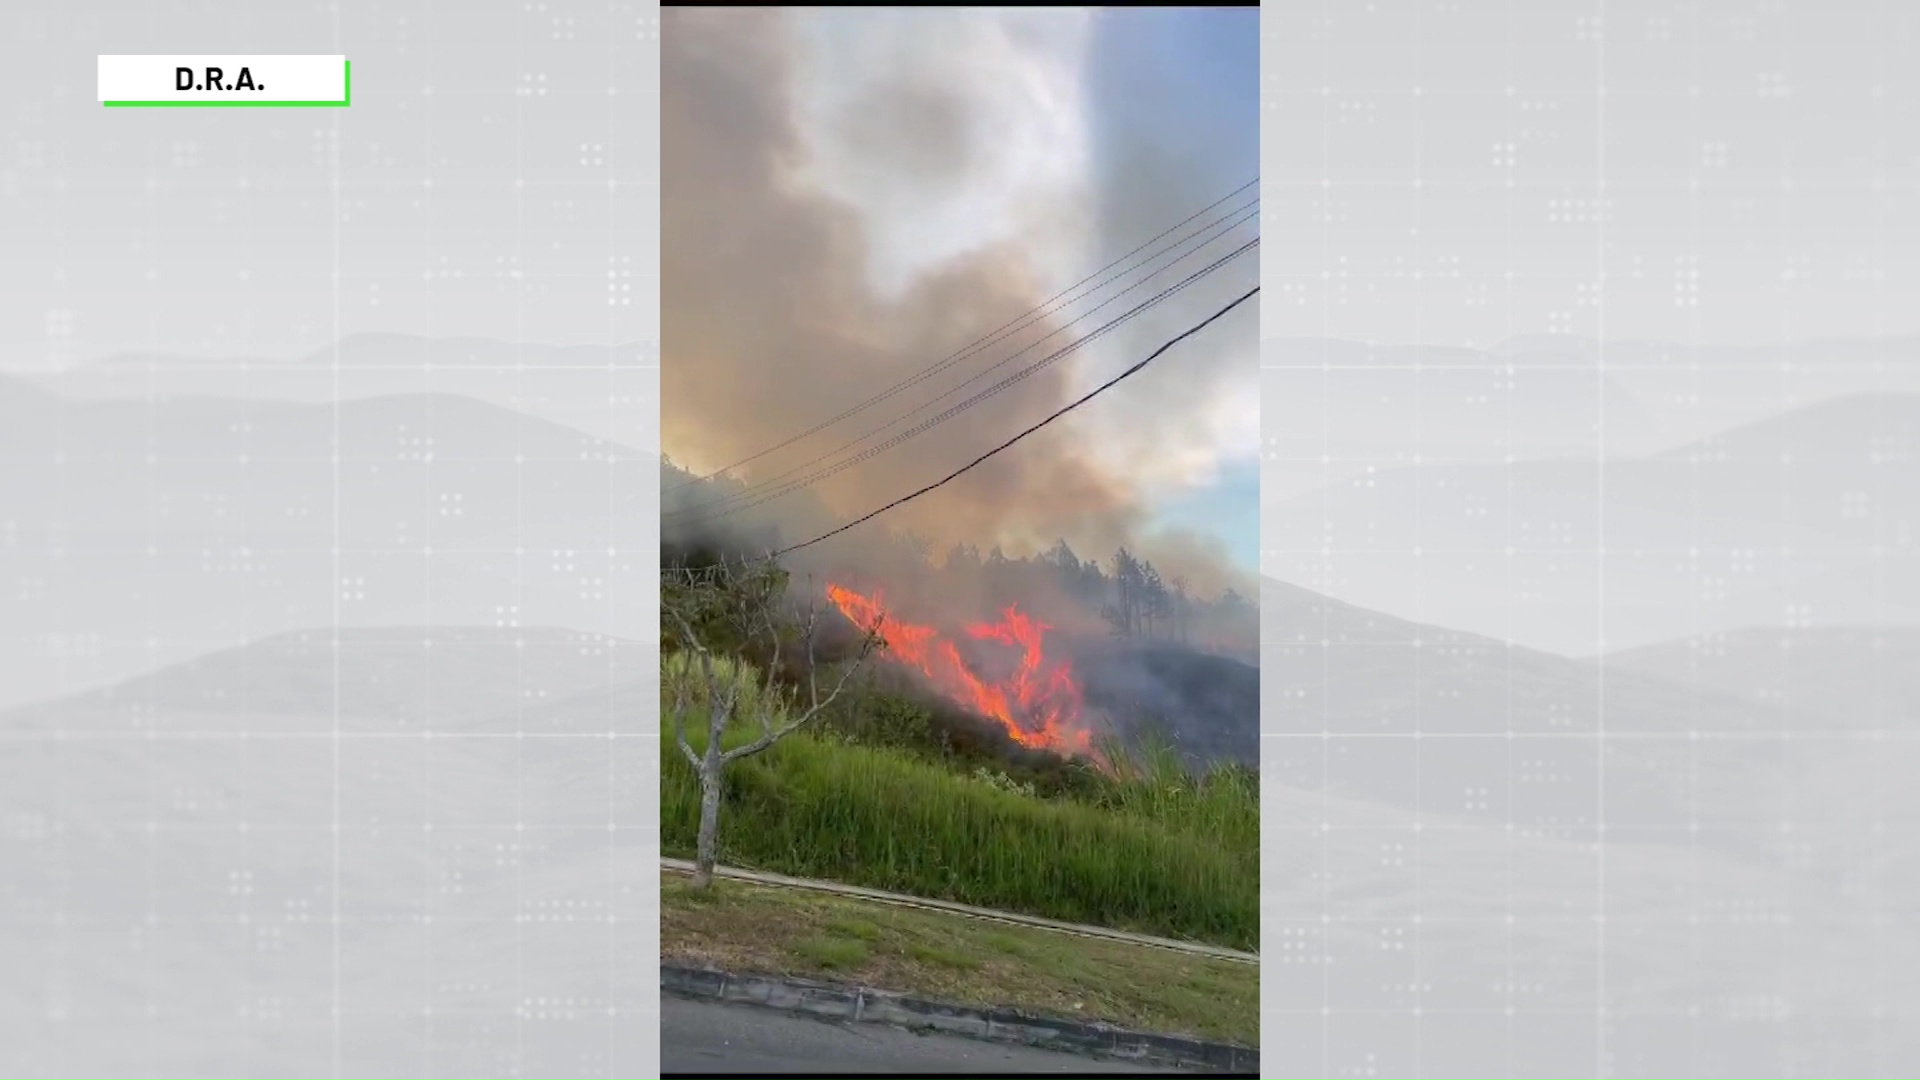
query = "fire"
{"x": 1039, "y": 704}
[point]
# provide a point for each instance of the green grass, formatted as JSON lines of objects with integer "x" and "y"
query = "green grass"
{"x": 855, "y": 928}
{"x": 1154, "y": 851}
{"x": 943, "y": 956}
{"x": 744, "y": 928}
{"x": 831, "y": 953}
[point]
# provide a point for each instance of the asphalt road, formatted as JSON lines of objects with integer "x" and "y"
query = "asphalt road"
{"x": 705, "y": 1036}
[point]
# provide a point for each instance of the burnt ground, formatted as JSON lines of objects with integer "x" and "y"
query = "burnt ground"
{"x": 1207, "y": 706}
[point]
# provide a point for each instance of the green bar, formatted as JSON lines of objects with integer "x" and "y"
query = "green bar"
{"x": 341, "y": 104}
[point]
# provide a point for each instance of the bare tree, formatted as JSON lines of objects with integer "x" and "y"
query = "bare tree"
{"x": 1180, "y": 601}
{"x": 1124, "y": 613}
{"x": 715, "y": 612}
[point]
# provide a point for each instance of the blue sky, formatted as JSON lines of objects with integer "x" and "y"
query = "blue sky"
{"x": 1228, "y": 508}
{"x": 1187, "y": 80}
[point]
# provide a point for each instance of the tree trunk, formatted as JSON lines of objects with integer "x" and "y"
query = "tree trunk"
{"x": 707, "y": 850}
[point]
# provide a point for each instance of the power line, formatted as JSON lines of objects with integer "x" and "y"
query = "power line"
{"x": 753, "y": 499}
{"x": 1245, "y": 214}
{"x": 1089, "y": 396}
{"x": 772, "y": 487}
{"x": 1031, "y": 316}
{"x": 925, "y": 425}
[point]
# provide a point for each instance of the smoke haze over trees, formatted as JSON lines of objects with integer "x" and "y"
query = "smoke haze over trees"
{"x": 1122, "y": 595}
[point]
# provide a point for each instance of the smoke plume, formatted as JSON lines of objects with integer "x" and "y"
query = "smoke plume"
{"x": 772, "y": 322}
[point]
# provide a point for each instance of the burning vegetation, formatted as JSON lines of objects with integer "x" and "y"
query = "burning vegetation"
{"x": 1037, "y": 702}
{"x": 1045, "y": 653}
{"x": 813, "y": 782}
{"x": 966, "y": 727}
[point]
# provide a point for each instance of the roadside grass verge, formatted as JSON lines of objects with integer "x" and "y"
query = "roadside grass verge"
{"x": 746, "y": 928}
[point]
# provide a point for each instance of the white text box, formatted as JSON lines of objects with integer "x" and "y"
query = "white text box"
{"x": 257, "y": 80}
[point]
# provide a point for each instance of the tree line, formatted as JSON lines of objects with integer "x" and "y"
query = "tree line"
{"x": 1136, "y": 600}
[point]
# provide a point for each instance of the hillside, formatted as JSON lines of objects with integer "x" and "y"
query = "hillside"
{"x": 1688, "y": 921}
{"x": 1781, "y": 514}
{"x": 1833, "y": 678}
{"x": 390, "y": 679}
{"x": 1209, "y": 706}
{"x": 609, "y": 392}
{"x": 1692, "y": 916}
{"x": 150, "y": 531}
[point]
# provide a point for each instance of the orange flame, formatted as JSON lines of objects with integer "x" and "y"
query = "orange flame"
{"x": 1038, "y": 705}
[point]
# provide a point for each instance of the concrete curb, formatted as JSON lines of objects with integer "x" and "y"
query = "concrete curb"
{"x": 835, "y": 1001}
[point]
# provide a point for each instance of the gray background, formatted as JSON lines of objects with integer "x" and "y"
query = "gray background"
{"x": 327, "y": 532}
{"x": 1588, "y": 529}
{"x": 1498, "y": 844}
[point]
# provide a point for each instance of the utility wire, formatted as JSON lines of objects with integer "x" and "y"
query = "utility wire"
{"x": 955, "y": 410}
{"x": 751, "y": 496}
{"x": 1089, "y": 396}
{"x": 1031, "y": 316}
{"x": 761, "y": 498}
{"x": 1245, "y": 213}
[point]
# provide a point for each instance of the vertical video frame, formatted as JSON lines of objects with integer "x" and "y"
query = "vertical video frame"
{"x": 959, "y": 540}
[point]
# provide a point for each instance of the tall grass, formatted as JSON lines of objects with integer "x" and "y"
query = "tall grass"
{"x": 683, "y": 673}
{"x": 1152, "y": 849}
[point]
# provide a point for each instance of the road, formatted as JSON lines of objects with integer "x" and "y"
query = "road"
{"x": 705, "y": 1036}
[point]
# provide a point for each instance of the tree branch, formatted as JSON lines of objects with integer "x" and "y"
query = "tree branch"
{"x": 770, "y": 735}
{"x": 767, "y": 690}
{"x": 681, "y": 702}
{"x": 813, "y": 666}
